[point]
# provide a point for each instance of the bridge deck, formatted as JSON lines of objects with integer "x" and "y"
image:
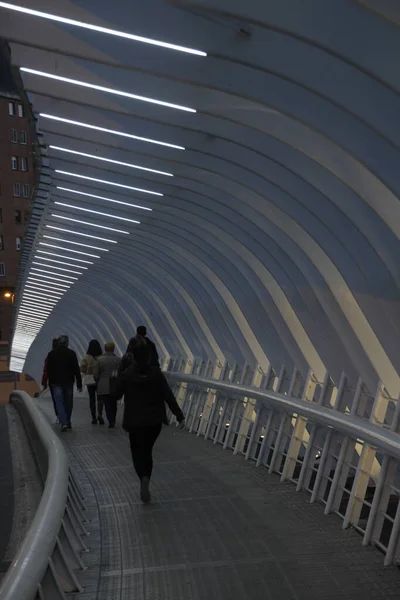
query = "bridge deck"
{"x": 218, "y": 528}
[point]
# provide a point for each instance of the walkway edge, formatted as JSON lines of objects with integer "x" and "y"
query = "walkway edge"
{"x": 31, "y": 561}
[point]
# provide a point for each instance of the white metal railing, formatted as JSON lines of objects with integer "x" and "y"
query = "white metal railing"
{"x": 46, "y": 563}
{"x": 341, "y": 444}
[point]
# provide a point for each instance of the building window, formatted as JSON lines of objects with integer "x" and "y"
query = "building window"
{"x": 20, "y": 110}
{"x": 16, "y": 189}
{"x": 2, "y": 270}
{"x": 14, "y": 136}
{"x": 25, "y": 190}
{"x": 18, "y": 243}
{"x": 24, "y": 164}
{"x": 1, "y": 242}
{"x": 14, "y": 163}
{"x": 11, "y": 109}
{"x": 22, "y": 137}
{"x": 18, "y": 216}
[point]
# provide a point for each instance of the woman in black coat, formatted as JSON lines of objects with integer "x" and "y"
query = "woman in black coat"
{"x": 146, "y": 392}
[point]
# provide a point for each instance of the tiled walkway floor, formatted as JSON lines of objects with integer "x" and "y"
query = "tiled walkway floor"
{"x": 218, "y": 529}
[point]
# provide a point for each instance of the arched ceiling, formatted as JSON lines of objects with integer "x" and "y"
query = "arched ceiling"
{"x": 275, "y": 240}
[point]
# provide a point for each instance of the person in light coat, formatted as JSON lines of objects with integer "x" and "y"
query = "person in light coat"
{"x": 88, "y": 369}
{"x": 107, "y": 366}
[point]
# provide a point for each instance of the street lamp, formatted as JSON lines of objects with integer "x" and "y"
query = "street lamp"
{"x": 9, "y": 295}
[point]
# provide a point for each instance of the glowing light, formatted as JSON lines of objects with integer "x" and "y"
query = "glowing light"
{"x": 39, "y": 264}
{"x": 127, "y": 187}
{"x": 96, "y": 212}
{"x": 79, "y": 260}
{"x": 103, "y": 198}
{"x": 50, "y": 237}
{"x": 60, "y": 262}
{"x": 87, "y": 223}
{"x": 109, "y": 160}
{"x": 68, "y": 250}
{"x": 111, "y": 131}
{"x": 101, "y": 88}
{"x": 93, "y": 237}
{"x": 67, "y": 278}
{"x": 100, "y": 29}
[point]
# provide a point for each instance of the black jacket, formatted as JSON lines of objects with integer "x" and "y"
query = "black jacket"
{"x": 128, "y": 360}
{"x": 153, "y": 358}
{"x": 63, "y": 367}
{"x": 146, "y": 393}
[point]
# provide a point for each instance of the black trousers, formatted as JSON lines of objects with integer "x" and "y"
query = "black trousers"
{"x": 92, "y": 401}
{"x": 110, "y": 404}
{"x": 54, "y": 401}
{"x": 142, "y": 440}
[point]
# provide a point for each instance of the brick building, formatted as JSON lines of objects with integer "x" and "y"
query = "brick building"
{"x": 18, "y": 177}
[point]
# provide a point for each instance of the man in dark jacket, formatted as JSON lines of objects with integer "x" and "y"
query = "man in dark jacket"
{"x": 153, "y": 354}
{"x": 146, "y": 391}
{"x": 63, "y": 370}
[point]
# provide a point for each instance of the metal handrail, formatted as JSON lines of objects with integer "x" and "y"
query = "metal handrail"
{"x": 348, "y": 424}
{"x": 31, "y": 561}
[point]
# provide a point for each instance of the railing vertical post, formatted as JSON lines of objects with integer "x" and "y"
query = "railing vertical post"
{"x": 300, "y": 434}
{"x": 337, "y": 399}
{"x": 248, "y": 413}
{"x": 388, "y": 464}
{"x": 367, "y": 466}
{"x": 210, "y": 400}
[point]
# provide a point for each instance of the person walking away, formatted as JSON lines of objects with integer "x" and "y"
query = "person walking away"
{"x": 88, "y": 368}
{"x": 45, "y": 379}
{"x": 63, "y": 370}
{"x": 107, "y": 365}
{"x": 146, "y": 391}
{"x": 154, "y": 361}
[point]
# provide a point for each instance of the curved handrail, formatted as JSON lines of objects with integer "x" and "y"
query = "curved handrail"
{"x": 31, "y": 561}
{"x": 351, "y": 425}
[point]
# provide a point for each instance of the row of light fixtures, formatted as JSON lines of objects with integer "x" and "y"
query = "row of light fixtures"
{"x": 59, "y": 261}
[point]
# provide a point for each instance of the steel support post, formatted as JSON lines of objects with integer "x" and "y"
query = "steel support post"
{"x": 367, "y": 467}
{"x": 300, "y": 436}
{"x": 248, "y": 414}
{"x": 210, "y": 400}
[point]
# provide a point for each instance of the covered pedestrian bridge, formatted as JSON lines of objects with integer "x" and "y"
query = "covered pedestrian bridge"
{"x": 225, "y": 173}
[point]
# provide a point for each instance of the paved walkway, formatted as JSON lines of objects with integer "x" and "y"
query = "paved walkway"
{"x": 218, "y": 529}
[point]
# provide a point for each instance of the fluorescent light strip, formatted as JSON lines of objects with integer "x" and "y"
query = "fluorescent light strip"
{"x": 50, "y": 237}
{"x": 68, "y": 250}
{"x": 79, "y": 260}
{"x": 101, "y": 88}
{"x": 87, "y": 223}
{"x": 35, "y": 309}
{"x": 44, "y": 302}
{"x": 38, "y": 279}
{"x": 112, "y": 131}
{"x": 40, "y": 295}
{"x": 45, "y": 289}
{"x": 60, "y": 262}
{"x": 103, "y": 198}
{"x": 36, "y": 291}
{"x": 93, "y": 237}
{"x": 121, "y": 185}
{"x": 99, "y": 29}
{"x": 34, "y": 298}
{"x": 68, "y": 278}
{"x": 37, "y": 304}
{"x": 96, "y": 212}
{"x": 109, "y": 160}
{"x": 27, "y": 317}
{"x": 34, "y": 262}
